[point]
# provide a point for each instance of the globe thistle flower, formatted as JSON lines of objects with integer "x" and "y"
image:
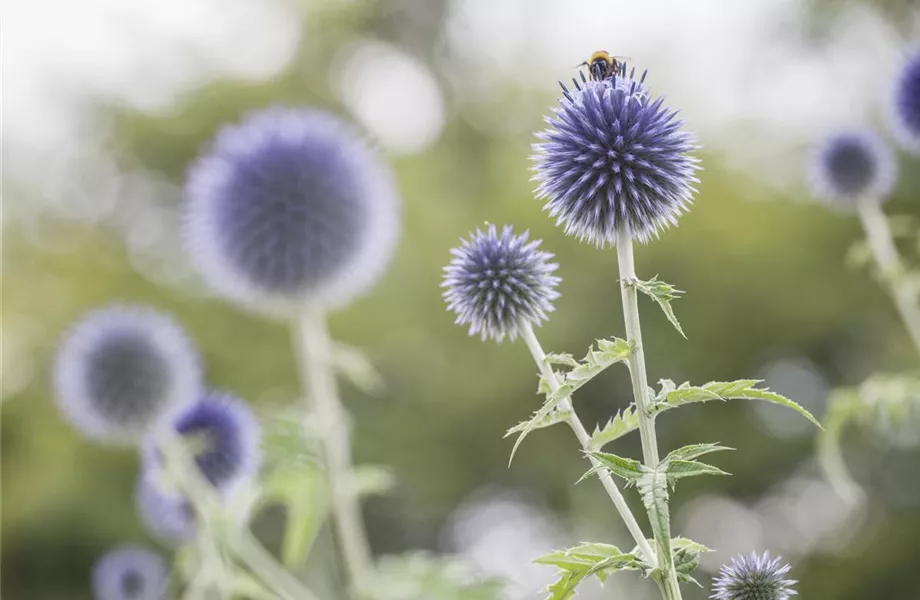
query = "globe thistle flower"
{"x": 130, "y": 572}
{"x": 613, "y": 160}
{"x": 170, "y": 517}
{"x": 223, "y": 437}
{"x": 123, "y": 371}
{"x": 493, "y": 281}
{"x": 850, "y": 167}
{"x": 290, "y": 206}
{"x": 906, "y": 105}
{"x": 753, "y": 578}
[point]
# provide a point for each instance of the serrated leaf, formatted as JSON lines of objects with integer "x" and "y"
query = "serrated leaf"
{"x": 662, "y": 293}
{"x": 561, "y": 359}
{"x": 556, "y": 416}
{"x": 537, "y": 418}
{"x": 601, "y": 355}
{"x": 354, "y": 366}
{"x": 653, "y": 487}
{"x": 694, "y": 451}
{"x": 581, "y": 562}
{"x": 629, "y": 469}
{"x": 622, "y": 423}
{"x": 678, "y": 469}
{"x": 742, "y": 389}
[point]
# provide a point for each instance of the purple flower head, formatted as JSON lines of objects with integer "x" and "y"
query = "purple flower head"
{"x": 130, "y": 572}
{"x": 753, "y": 578}
{"x": 223, "y": 436}
{"x": 123, "y": 371}
{"x": 850, "y": 167}
{"x": 493, "y": 281}
{"x": 906, "y": 113}
{"x": 168, "y": 516}
{"x": 613, "y": 160}
{"x": 290, "y": 206}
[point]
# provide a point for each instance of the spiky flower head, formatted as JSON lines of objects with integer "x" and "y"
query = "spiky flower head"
{"x": 906, "y": 105}
{"x": 753, "y": 578}
{"x": 222, "y": 434}
{"x": 496, "y": 280}
{"x": 613, "y": 161}
{"x": 123, "y": 371}
{"x": 851, "y": 167}
{"x": 290, "y": 206}
{"x": 130, "y": 572}
{"x": 168, "y": 515}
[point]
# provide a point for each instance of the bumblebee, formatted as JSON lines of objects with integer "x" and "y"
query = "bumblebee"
{"x": 602, "y": 65}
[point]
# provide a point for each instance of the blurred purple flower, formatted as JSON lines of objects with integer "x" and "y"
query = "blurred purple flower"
{"x": 753, "y": 578}
{"x": 170, "y": 517}
{"x": 290, "y": 206}
{"x": 123, "y": 371}
{"x": 906, "y": 114}
{"x": 494, "y": 280}
{"x": 852, "y": 166}
{"x": 612, "y": 159}
{"x": 130, "y": 572}
{"x": 224, "y": 438}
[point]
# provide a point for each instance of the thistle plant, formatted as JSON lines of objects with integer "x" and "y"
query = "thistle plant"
{"x": 130, "y": 572}
{"x": 613, "y": 166}
{"x": 854, "y": 171}
{"x": 754, "y": 578}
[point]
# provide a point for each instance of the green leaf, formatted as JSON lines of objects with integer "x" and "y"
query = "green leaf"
{"x": 536, "y": 421}
{"x": 627, "y": 468}
{"x": 724, "y": 390}
{"x": 622, "y": 423}
{"x": 556, "y": 416}
{"x": 678, "y": 469}
{"x": 371, "y": 480}
{"x": 600, "y": 356}
{"x": 581, "y": 562}
{"x": 358, "y": 369}
{"x": 303, "y": 492}
{"x": 694, "y": 451}
{"x": 653, "y": 486}
{"x": 662, "y": 293}
{"x": 561, "y": 359}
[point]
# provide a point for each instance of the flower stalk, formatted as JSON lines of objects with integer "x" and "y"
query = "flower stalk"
{"x": 885, "y": 253}
{"x": 539, "y": 356}
{"x": 314, "y": 351}
{"x": 639, "y": 379}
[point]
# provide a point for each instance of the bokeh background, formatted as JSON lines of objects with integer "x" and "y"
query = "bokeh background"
{"x": 106, "y": 102}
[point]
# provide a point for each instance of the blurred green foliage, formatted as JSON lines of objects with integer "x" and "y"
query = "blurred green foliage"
{"x": 763, "y": 275}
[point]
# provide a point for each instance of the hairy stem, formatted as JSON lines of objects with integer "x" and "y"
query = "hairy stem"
{"x": 318, "y": 375}
{"x": 903, "y": 290}
{"x": 530, "y": 338}
{"x": 639, "y": 380}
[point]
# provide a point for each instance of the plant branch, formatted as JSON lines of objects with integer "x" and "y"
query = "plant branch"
{"x": 530, "y": 338}
{"x": 314, "y": 352}
{"x": 885, "y": 253}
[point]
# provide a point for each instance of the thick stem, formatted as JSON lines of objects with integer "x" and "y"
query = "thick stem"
{"x": 904, "y": 292}
{"x": 639, "y": 381}
{"x": 318, "y": 375}
{"x": 530, "y": 338}
{"x": 637, "y": 357}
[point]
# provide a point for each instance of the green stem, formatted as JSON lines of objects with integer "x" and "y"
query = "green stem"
{"x": 881, "y": 242}
{"x": 539, "y": 357}
{"x": 318, "y": 375}
{"x": 639, "y": 379}
{"x": 242, "y": 542}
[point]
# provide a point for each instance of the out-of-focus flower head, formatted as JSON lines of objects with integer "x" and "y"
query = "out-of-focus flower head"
{"x": 123, "y": 371}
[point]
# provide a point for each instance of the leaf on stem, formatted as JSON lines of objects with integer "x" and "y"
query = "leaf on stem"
{"x": 627, "y": 468}
{"x": 601, "y": 355}
{"x": 672, "y": 397}
{"x": 662, "y": 293}
{"x": 584, "y": 561}
{"x": 622, "y": 423}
